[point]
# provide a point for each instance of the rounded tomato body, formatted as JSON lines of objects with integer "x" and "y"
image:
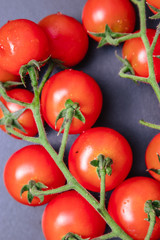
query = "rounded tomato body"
{"x": 88, "y": 146}
{"x": 67, "y": 37}
{"x": 70, "y": 212}
{"x": 134, "y": 51}
{"x": 77, "y": 86}
{"x": 7, "y": 76}
{"x": 21, "y": 40}
{"x": 26, "y": 119}
{"x": 126, "y": 206}
{"x": 154, "y": 3}
{"x": 151, "y": 156}
{"x": 118, "y": 14}
{"x": 32, "y": 162}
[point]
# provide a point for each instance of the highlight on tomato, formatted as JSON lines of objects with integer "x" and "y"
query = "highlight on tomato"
{"x": 152, "y": 157}
{"x": 119, "y": 15}
{"x": 126, "y": 206}
{"x": 77, "y": 86}
{"x": 32, "y": 44}
{"x": 70, "y": 212}
{"x": 67, "y": 37}
{"x": 26, "y": 119}
{"x": 88, "y": 146}
{"x": 134, "y": 51}
{"x": 32, "y": 162}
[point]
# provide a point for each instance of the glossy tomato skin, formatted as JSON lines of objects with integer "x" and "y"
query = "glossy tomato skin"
{"x": 154, "y": 3}
{"x": 88, "y": 146}
{"x": 134, "y": 51}
{"x": 6, "y": 76}
{"x": 68, "y": 39}
{"x": 70, "y": 212}
{"x": 77, "y": 86}
{"x": 151, "y": 157}
{"x": 118, "y": 14}
{"x": 126, "y": 206}
{"x": 32, "y": 162}
{"x": 21, "y": 40}
{"x": 26, "y": 119}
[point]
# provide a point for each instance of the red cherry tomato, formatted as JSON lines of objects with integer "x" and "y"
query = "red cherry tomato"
{"x": 88, "y": 146}
{"x": 154, "y": 3}
{"x": 6, "y": 76}
{"x": 134, "y": 51}
{"x": 126, "y": 206}
{"x": 68, "y": 39}
{"x": 70, "y": 212}
{"x": 32, "y": 162}
{"x": 21, "y": 40}
{"x": 151, "y": 156}
{"x": 26, "y": 119}
{"x": 118, "y": 14}
{"x": 77, "y": 86}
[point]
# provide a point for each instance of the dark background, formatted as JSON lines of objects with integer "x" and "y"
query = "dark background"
{"x": 125, "y": 103}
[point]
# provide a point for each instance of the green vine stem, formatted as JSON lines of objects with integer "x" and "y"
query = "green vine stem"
{"x": 151, "y": 225}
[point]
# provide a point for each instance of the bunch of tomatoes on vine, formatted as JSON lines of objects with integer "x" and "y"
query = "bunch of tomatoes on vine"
{"x": 70, "y": 102}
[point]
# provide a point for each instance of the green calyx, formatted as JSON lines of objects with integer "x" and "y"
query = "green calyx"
{"x": 32, "y": 187}
{"x": 72, "y": 236}
{"x": 157, "y": 171}
{"x": 108, "y": 37}
{"x": 102, "y": 163}
{"x": 10, "y": 120}
{"x": 157, "y": 15}
{"x": 71, "y": 110}
{"x": 152, "y": 207}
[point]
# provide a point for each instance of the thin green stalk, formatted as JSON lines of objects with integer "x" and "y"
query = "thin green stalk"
{"x": 152, "y": 224}
{"x": 106, "y": 236}
{"x": 46, "y": 75}
{"x": 102, "y": 189}
{"x": 64, "y": 188}
{"x": 151, "y": 125}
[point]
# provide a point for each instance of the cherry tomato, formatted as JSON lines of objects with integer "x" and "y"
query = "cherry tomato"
{"x": 77, "y": 86}
{"x": 88, "y": 146}
{"x": 118, "y": 14}
{"x": 70, "y": 212}
{"x": 32, "y": 162}
{"x": 26, "y": 119}
{"x": 6, "y": 76}
{"x": 126, "y": 206}
{"x": 134, "y": 51}
{"x": 21, "y": 40}
{"x": 151, "y": 156}
{"x": 68, "y": 39}
{"x": 154, "y": 3}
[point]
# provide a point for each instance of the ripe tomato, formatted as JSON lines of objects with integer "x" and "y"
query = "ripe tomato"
{"x": 126, "y": 206}
{"x": 88, "y": 146}
{"x": 32, "y": 162}
{"x": 6, "y": 76}
{"x": 134, "y": 51}
{"x": 118, "y": 14}
{"x": 77, "y": 86}
{"x": 68, "y": 39}
{"x": 151, "y": 157}
{"x": 26, "y": 119}
{"x": 70, "y": 212}
{"x": 154, "y": 3}
{"x": 21, "y": 40}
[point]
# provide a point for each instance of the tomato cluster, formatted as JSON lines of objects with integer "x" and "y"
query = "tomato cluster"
{"x": 63, "y": 38}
